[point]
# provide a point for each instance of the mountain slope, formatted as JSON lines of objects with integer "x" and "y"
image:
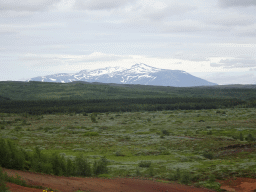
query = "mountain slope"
{"x": 137, "y": 74}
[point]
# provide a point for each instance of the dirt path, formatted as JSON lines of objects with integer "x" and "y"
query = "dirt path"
{"x": 72, "y": 184}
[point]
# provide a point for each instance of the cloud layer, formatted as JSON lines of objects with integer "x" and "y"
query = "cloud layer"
{"x": 101, "y": 4}
{"x": 235, "y": 3}
{"x": 50, "y": 36}
{"x": 235, "y": 63}
{"x": 27, "y": 5}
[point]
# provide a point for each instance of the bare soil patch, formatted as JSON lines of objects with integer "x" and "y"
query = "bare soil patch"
{"x": 239, "y": 184}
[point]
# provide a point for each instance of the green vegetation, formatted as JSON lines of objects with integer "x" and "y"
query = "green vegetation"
{"x": 188, "y": 135}
{"x": 3, "y": 187}
{"x": 56, "y": 164}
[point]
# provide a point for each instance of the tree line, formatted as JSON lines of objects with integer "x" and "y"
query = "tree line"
{"x": 38, "y": 107}
{"x": 13, "y": 157}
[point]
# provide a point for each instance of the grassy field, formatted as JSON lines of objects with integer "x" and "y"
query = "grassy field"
{"x": 188, "y": 146}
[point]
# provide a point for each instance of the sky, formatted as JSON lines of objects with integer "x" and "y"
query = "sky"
{"x": 214, "y": 39}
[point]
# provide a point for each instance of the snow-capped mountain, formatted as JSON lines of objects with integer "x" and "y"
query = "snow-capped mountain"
{"x": 137, "y": 74}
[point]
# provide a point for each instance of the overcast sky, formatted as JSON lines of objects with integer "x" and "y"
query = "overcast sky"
{"x": 213, "y": 39}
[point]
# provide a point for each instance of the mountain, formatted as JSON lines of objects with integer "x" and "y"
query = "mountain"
{"x": 137, "y": 74}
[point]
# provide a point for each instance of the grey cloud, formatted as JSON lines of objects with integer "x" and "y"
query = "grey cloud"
{"x": 248, "y": 31}
{"x": 38, "y": 60}
{"x": 102, "y": 58}
{"x": 46, "y": 60}
{"x": 168, "y": 11}
{"x": 7, "y": 29}
{"x": 234, "y": 3}
{"x": 235, "y": 63}
{"x": 193, "y": 57}
{"x": 100, "y": 4}
{"x": 232, "y": 20}
{"x": 187, "y": 26}
{"x": 26, "y": 5}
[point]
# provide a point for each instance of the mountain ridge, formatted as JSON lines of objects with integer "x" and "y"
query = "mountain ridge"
{"x": 138, "y": 74}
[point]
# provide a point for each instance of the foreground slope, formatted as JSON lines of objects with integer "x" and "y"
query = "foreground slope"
{"x": 72, "y": 184}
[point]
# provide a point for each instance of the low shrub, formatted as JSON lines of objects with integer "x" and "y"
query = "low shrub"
{"x": 93, "y": 117}
{"x": 151, "y": 171}
{"x": 165, "y": 152}
{"x": 100, "y": 167}
{"x": 119, "y": 153}
{"x": 165, "y": 132}
{"x": 144, "y": 164}
{"x": 104, "y": 176}
{"x": 17, "y": 128}
{"x": 91, "y": 134}
{"x": 82, "y": 166}
{"x": 208, "y": 155}
{"x": 209, "y": 132}
{"x": 175, "y": 176}
{"x": 241, "y": 137}
{"x": 250, "y": 137}
{"x": 17, "y": 180}
{"x": 185, "y": 178}
{"x": 138, "y": 173}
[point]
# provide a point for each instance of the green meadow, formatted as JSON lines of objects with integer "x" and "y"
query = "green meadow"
{"x": 193, "y": 147}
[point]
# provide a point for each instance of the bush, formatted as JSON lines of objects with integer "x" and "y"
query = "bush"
{"x": 93, "y": 117}
{"x": 212, "y": 178}
{"x": 250, "y": 137}
{"x": 82, "y": 167}
{"x": 58, "y": 164}
{"x": 241, "y": 137}
{"x": 209, "y": 133}
{"x": 175, "y": 176}
{"x": 151, "y": 171}
{"x": 165, "y": 132}
{"x": 208, "y": 155}
{"x": 165, "y": 152}
{"x": 144, "y": 164}
{"x": 138, "y": 173}
{"x": 91, "y": 134}
{"x": 185, "y": 178}
{"x": 17, "y": 128}
{"x": 127, "y": 137}
{"x": 70, "y": 168}
{"x": 119, "y": 153}
{"x": 100, "y": 167}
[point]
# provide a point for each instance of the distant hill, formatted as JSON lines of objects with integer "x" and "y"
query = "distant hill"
{"x": 138, "y": 74}
{"x": 34, "y": 90}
